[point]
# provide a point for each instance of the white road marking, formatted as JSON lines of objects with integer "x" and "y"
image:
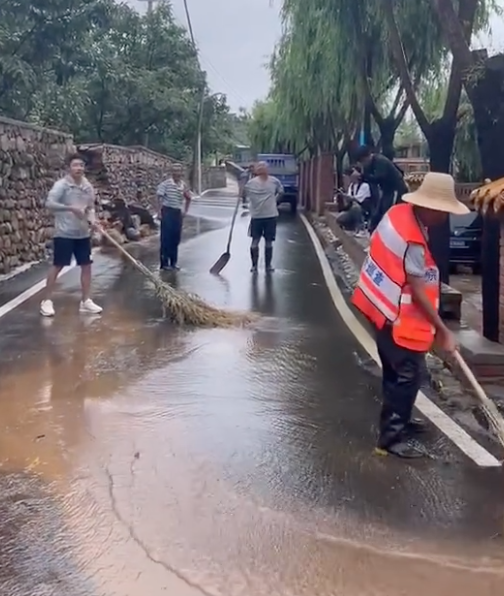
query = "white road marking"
{"x": 35, "y": 289}
{"x": 24, "y": 296}
{"x": 428, "y": 408}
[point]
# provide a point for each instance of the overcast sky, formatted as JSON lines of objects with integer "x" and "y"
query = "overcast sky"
{"x": 236, "y": 39}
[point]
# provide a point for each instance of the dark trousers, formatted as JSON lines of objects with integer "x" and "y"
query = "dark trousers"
{"x": 385, "y": 202}
{"x": 171, "y": 232}
{"x": 403, "y": 372}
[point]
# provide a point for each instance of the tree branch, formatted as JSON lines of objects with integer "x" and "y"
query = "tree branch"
{"x": 466, "y": 15}
{"x": 402, "y": 66}
{"x": 454, "y": 33}
{"x": 402, "y": 112}
{"x": 397, "y": 99}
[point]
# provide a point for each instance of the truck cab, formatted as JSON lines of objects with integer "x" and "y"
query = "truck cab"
{"x": 284, "y": 167}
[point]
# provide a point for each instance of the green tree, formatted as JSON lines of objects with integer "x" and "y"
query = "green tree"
{"x": 105, "y": 73}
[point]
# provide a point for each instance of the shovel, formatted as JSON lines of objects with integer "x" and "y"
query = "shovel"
{"x": 223, "y": 260}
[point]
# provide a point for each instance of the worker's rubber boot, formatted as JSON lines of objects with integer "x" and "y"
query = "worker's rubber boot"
{"x": 268, "y": 257}
{"x": 254, "y": 256}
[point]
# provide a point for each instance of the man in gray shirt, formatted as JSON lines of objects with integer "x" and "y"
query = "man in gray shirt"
{"x": 262, "y": 193}
{"x": 72, "y": 202}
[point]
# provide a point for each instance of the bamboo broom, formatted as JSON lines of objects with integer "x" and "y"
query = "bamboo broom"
{"x": 487, "y": 405}
{"x": 181, "y": 307}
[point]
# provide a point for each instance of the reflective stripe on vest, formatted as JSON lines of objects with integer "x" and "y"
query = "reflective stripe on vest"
{"x": 382, "y": 292}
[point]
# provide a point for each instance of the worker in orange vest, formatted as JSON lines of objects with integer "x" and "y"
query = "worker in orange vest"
{"x": 398, "y": 291}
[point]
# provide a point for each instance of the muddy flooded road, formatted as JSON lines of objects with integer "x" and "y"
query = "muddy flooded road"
{"x": 138, "y": 458}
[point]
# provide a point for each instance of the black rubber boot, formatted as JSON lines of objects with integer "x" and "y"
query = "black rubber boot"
{"x": 268, "y": 257}
{"x": 254, "y": 256}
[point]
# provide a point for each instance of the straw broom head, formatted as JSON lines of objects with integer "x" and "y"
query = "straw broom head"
{"x": 188, "y": 309}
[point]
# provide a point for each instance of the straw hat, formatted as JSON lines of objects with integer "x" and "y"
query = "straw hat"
{"x": 437, "y": 192}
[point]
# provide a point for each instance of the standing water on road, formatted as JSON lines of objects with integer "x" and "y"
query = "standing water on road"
{"x": 139, "y": 458}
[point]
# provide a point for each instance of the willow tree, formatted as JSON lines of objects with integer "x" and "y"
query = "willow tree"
{"x": 440, "y": 131}
{"x": 317, "y": 102}
{"x": 366, "y": 56}
{"x": 483, "y": 79}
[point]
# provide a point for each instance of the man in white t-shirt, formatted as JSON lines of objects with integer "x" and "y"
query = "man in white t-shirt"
{"x": 359, "y": 198}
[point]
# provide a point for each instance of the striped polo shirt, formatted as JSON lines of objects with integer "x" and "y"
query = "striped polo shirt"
{"x": 171, "y": 193}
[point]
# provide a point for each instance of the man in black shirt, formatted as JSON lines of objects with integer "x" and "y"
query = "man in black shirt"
{"x": 379, "y": 171}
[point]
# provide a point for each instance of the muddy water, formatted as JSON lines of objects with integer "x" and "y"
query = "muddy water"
{"x": 141, "y": 459}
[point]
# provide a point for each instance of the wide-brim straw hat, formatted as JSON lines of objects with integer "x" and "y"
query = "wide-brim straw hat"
{"x": 437, "y": 192}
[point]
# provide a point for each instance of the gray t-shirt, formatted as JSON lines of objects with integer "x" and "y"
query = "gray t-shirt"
{"x": 262, "y": 196}
{"x": 414, "y": 260}
{"x": 67, "y": 193}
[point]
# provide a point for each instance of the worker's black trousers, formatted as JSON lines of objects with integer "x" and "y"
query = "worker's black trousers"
{"x": 403, "y": 372}
{"x": 171, "y": 230}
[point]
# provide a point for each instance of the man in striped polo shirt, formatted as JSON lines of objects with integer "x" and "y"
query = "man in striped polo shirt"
{"x": 174, "y": 199}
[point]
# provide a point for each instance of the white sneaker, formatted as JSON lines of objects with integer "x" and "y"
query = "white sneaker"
{"x": 47, "y": 308}
{"x": 89, "y": 307}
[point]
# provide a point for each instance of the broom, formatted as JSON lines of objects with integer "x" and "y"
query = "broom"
{"x": 223, "y": 260}
{"x": 181, "y": 307}
{"x": 487, "y": 405}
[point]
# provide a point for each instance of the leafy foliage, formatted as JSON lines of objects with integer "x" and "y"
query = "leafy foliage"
{"x": 105, "y": 73}
{"x": 335, "y": 72}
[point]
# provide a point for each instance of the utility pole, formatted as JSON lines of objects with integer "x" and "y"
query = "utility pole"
{"x": 150, "y": 8}
{"x": 150, "y": 5}
{"x": 197, "y": 155}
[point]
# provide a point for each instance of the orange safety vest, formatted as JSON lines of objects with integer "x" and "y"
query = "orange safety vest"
{"x": 383, "y": 294}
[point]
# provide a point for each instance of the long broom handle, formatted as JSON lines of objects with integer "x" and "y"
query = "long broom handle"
{"x": 235, "y": 213}
{"x": 124, "y": 252}
{"x": 471, "y": 378}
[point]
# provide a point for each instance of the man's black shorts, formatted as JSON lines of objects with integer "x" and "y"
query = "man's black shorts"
{"x": 264, "y": 227}
{"x": 65, "y": 248}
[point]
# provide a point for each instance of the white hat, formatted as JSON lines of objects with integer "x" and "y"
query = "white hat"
{"x": 437, "y": 192}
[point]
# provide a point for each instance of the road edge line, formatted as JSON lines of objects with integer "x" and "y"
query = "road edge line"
{"x": 458, "y": 436}
{"x": 35, "y": 289}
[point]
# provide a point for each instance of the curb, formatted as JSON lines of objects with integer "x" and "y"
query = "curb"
{"x": 437, "y": 416}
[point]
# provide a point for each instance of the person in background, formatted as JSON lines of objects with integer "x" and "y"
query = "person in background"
{"x": 398, "y": 291}
{"x": 72, "y": 202}
{"x": 245, "y": 176}
{"x": 357, "y": 201}
{"x": 380, "y": 171}
{"x": 262, "y": 193}
{"x": 174, "y": 199}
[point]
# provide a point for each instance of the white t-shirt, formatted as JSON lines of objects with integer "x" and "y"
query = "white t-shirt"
{"x": 359, "y": 192}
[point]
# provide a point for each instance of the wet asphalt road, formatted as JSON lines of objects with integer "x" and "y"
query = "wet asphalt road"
{"x": 137, "y": 458}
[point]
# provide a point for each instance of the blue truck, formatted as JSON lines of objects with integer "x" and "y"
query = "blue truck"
{"x": 284, "y": 167}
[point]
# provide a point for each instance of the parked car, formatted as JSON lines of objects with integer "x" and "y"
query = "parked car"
{"x": 465, "y": 240}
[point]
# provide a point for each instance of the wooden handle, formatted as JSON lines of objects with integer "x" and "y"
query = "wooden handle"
{"x": 235, "y": 212}
{"x": 470, "y": 377}
{"x": 142, "y": 268}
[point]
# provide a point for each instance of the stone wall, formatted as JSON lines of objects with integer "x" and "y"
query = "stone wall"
{"x": 213, "y": 177}
{"x": 31, "y": 159}
{"x": 128, "y": 173}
